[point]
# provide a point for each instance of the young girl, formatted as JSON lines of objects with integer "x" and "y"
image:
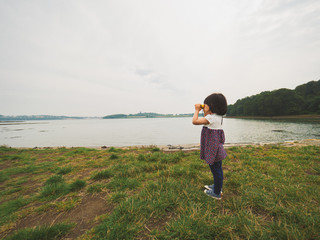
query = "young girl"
{"x": 212, "y": 139}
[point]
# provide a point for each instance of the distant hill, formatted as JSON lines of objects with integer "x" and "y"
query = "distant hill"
{"x": 304, "y": 99}
{"x": 146, "y": 115}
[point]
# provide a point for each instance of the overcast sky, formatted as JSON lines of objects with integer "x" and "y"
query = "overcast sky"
{"x": 93, "y": 58}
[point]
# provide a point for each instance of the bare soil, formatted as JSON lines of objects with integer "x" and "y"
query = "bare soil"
{"x": 83, "y": 215}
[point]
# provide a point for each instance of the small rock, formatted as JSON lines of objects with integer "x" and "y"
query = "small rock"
{"x": 175, "y": 147}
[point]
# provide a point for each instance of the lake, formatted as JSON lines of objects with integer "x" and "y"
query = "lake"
{"x": 147, "y": 131}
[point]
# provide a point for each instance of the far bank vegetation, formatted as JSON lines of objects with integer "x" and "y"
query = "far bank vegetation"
{"x": 303, "y": 100}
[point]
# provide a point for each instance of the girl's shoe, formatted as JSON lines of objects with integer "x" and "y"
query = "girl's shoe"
{"x": 211, "y": 193}
{"x": 211, "y": 187}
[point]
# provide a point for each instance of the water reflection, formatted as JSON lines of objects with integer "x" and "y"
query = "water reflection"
{"x": 255, "y": 131}
{"x": 126, "y": 132}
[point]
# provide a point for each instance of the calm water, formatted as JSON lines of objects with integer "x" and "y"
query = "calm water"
{"x": 156, "y": 131}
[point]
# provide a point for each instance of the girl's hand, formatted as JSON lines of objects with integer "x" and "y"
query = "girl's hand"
{"x": 197, "y": 107}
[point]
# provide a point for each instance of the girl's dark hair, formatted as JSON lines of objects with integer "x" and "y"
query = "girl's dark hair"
{"x": 217, "y": 103}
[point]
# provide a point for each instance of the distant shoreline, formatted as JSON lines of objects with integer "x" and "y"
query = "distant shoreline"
{"x": 146, "y": 115}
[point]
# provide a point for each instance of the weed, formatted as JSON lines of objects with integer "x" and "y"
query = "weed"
{"x": 141, "y": 157}
{"x": 196, "y": 166}
{"x": 42, "y": 232}
{"x": 61, "y": 159}
{"x": 77, "y": 185}
{"x": 155, "y": 149}
{"x": 118, "y": 197}
{"x": 64, "y": 170}
{"x": 123, "y": 183}
{"x": 9, "y": 209}
{"x": 178, "y": 171}
{"x": 54, "y": 187}
{"x": 53, "y": 191}
{"x": 11, "y": 206}
{"x": 3, "y": 177}
{"x": 126, "y": 170}
{"x": 11, "y": 157}
{"x": 275, "y": 147}
{"x": 113, "y": 156}
{"x": 154, "y": 157}
{"x": 54, "y": 180}
{"x": 10, "y": 191}
{"x": 105, "y": 174}
{"x": 4, "y": 148}
{"x": 172, "y": 158}
{"x": 78, "y": 151}
{"x": 113, "y": 149}
{"x": 94, "y": 188}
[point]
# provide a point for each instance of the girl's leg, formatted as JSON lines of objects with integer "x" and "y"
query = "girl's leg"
{"x": 217, "y": 173}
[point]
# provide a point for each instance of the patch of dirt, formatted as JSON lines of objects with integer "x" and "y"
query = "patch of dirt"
{"x": 5, "y": 165}
{"x": 155, "y": 224}
{"x": 83, "y": 215}
{"x": 263, "y": 215}
{"x": 86, "y": 173}
{"x": 312, "y": 172}
{"x": 30, "y": 187}
{"x": 301, "y": 143}
{"x": 228, "y": 195}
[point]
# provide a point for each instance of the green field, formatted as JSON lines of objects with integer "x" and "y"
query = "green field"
{"x": 270, "y": 192}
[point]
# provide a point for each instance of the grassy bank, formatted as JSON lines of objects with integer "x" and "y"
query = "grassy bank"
{"x": 270, "y": 192}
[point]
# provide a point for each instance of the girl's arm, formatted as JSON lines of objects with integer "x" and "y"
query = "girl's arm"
{"x": 196, "y": 120}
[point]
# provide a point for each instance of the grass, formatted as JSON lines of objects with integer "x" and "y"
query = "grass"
{"x": 77, "y": 185}
{"x": 64, "y": 170}
{"x": 105, "y": 174}
{"x": 42, "y": 232}
{"x": 270, "y": 192}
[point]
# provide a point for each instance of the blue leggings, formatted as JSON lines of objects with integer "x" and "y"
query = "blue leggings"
{"x": 217, "y": 173}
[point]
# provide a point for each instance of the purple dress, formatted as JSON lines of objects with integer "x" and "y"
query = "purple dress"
{"x": 211, "y": 146}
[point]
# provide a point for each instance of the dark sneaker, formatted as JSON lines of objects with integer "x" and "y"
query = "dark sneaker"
{"x": 211, "y": 187}
{"x": 210, "y": 193}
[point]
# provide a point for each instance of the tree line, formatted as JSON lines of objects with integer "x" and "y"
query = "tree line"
{"x": 304, "y": 99}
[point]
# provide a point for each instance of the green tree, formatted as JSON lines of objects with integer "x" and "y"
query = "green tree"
{"x": 304, "y": 99}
